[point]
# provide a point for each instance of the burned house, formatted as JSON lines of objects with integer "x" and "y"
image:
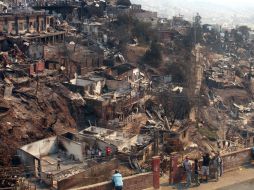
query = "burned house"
{"x": 115, "y": 104}
{"x": 175, "y": 139}
{"x": 165, "y": 35}
{"x": 124, "y": 143}
{"x": 95, "y": 31}
{"x": 125, "y": 72}
{"x": 29, "y": 59}
{"x": 247, "y": 134}
{"x": 146, "y": 16}
{"x": 158, "y": 79}
{"x": 109, "y": 92}
{"x": 220, "y": 75}
{"x": 136, "y": 7}
{"x": 14, "y": 23}
{"x": 40, "y": 158}
{"x": 30, "y": 25}
{"x": 60, "y": 161}
{"x": 179, "y": 22}
{"x": 90, "y": 85}
{"x": 137, "y": 12}
{"x": 75, "y": 58}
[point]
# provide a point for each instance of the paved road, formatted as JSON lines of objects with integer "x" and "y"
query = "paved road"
{"x": 249, "y": 185}
{"x": 240, "y": 179}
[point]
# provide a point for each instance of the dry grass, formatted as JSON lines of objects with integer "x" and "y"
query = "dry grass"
{"x": 134, "y": 53}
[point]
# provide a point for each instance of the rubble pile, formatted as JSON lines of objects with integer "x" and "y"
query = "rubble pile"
{"x": 33, "y": 113}
{"x": 74, "y": 93}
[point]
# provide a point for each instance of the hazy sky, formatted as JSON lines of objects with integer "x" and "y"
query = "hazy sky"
{"x": 224, "y": 2}
{"x": 247, "y": 2}
{"x": 212, "y": 11}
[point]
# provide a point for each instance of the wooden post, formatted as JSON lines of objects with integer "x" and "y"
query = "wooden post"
{"x": 156, "y": 172}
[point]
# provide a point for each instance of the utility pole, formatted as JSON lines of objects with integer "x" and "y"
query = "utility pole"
{"x": 195, "y": 31}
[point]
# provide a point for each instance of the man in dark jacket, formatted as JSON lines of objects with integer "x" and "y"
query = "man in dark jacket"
{"x": 205, "y": 166}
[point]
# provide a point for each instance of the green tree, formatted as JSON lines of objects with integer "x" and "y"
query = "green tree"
{"x": 143, "y": 32}
{"x": 130, "y": 28}
{"x": 153, "y": 56}
{"x": 237, "y": 36}
{"x": 245, "y": 31}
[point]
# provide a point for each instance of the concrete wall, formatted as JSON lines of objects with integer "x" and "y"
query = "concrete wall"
{"x": 28, "y": 161}
{"x": 82, "y": 82}
{"x": 135, "y": 182}
{"x": 95, "y": 86}
{"x": 30, "y": 152}
{"x": 71, "y": 147}
{"x": 96, "y": 174}
{"x": 22, "y": 23}
{"x": 236, "y": 159}
{"x": 137, "y": 139}
{"x": 90, "y": 141}
{"x": 42, "y": 147}
{"x": 47, "y": 178}
{"x": 231, "y": 162}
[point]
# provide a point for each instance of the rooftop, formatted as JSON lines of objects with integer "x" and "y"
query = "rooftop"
{"x": 21, "y": 12}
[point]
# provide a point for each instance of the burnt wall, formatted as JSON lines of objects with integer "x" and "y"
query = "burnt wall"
{"x": 135, "y": 182}
{"x": 231, "y": 161}
{"x": 236, "y": 159}
{"x": 96, "y": 174}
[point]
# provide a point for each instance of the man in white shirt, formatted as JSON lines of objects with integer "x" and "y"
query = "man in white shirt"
{"x": 187, "y": 169}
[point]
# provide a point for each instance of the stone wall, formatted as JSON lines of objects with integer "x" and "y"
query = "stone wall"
{"x": 96, "y": 174}
{"x": 231, "y": 161}
{"x": 135, "y": 182}
{"x": 236, "y": 159}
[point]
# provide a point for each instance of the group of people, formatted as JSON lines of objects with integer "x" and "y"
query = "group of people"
{"x": 97, "y": 152}
{"x": 215, "y": 163}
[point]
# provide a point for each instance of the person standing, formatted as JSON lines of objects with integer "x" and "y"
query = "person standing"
{"x": 103, "y": 153}
{"x": 117, "y": 180}
{"x": 108, "y": 151}
{"x": 88, "y": 153}
{"x": 99, "y": 155}
{"x": 218, "y": 165}
{"x": 187, "y": 169}
{"x": 58, "y": 162}
{"x": 196, "y": 172}
{"x": 93, "y": 153}
{"x": 205, "y": 166}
